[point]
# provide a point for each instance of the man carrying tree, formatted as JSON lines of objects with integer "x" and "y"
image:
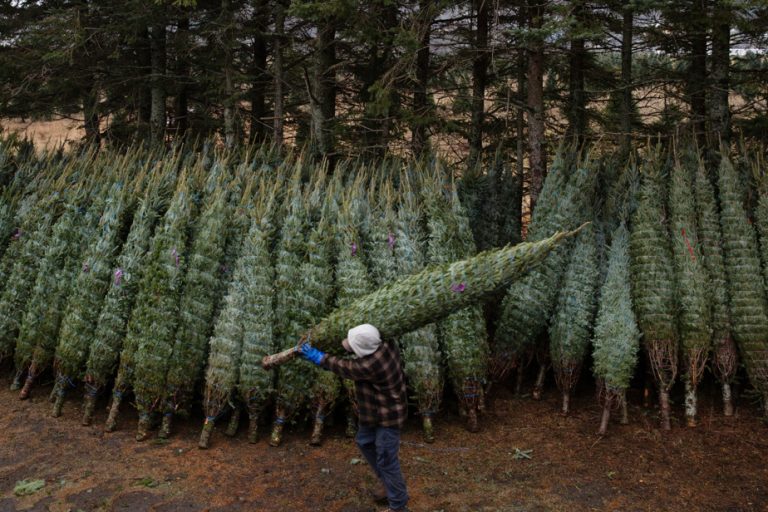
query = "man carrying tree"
{"x": 382, "y": 407}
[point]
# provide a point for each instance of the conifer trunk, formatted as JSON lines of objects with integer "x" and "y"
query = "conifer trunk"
{"x": 536, "y": 143}
{"x": 157, "y": 80}
{"x": 482, "y": 9}
{"x": 626, "y": 78}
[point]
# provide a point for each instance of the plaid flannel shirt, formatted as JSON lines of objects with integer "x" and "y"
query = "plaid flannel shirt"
{"x": 379, "y": 385}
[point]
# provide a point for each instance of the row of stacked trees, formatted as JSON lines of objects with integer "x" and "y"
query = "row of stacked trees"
{"x": 151, "y": 267}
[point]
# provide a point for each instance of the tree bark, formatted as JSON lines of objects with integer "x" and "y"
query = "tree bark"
{"x": 278, "y": 125}
{"x": 324, "y": 82}
{"x": 181, "y": 103}
{"x": 721, "y": 61}
{"x": 421, "y": 111}
{"x": 144, "y": 92}
{"x": 577, "y": 116}
{"x": 480, "y": 62}
{"x": 536, "y": 143}
{"x": 258, "y": 93}
{"x": 157, "y": 80}
{"x": 697, "y": 75}
{"x": 91, "y": 114}
{"x": 227, "y": 39}
{"x": 626, "y": 78}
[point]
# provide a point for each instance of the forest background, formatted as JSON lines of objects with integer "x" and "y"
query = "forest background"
{"x": 471, "y": 81}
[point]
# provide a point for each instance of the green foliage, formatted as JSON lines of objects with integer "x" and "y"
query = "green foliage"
{"x": 652, "y": 277}
{"x": 572, "y": 322}
{"x": 112, "y": 323}
{"x": 90, "y": 285}
{"x": 690, "y": 273}
{"x": 293, "y": 383}
{"x": 198, "y": 302}
{"x": 153, "y": 323}
{"x": 463, "y": 335}
{"x": 745, "y": 280}
{"x": 21, "y": 278}
{"x": 437, "y": 291}
{"x": 529, "y": 302}
{"x": 40, "y": 327}
{"x": 616, "y": 338}
{"x": 255, "y": 274}
{"x": 711, "y": 240}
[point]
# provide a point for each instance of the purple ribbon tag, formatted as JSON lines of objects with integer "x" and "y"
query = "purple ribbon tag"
{"x": 118, "y": 276}
{"x": 86, "y": 268}
{"x": 391, "y": 241}
{"x": 353, "y": 247}
{"x": 458, "y": 287}
{"x": 175, "y": 255}
{"x": 17, "y": 234}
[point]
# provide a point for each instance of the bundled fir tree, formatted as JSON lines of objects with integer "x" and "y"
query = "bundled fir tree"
{"x": 572, "y": 323}
{"x": 420, "y": 348}
{"x": 255, "y": 385}
{"x": 89, "y": 288}
{"x": 724, "y": 351}
{"x": 293, "y": 383}
{"x": 33, "y": 239}
{"x": 198, "y": 302}
{"x": 528, "y": 304}
{"x": 352, "y": 273}
{"x": 152, "y": 328}
{"x": 691, "y": 282}
{"x": 16, "y": 233}
{"x": 462, "y": 335}
{"x": 39, "y": 330}
{"x": 616, "y": 334}
{"x": 249, "y": 291}
{"x": 653, "y": 291}
{"x": 414, "y": 301}
{"x": 318, "y": 285}
{"x": 745, "y": 280}
{"x": 112, "y": 323}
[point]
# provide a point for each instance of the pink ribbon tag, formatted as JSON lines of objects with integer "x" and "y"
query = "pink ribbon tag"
{"x": 118, "y": 276}
{"x": 458, "y": 288}
{"x": 391, "y": 241}
{"x": 175, "y": 255}
{"x": 353, "y": 247}
{"x": 86, "y": 268}
{"x": 17, "y": 234}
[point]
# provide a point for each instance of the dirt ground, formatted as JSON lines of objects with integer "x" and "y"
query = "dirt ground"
{"x": 722, "y": 465}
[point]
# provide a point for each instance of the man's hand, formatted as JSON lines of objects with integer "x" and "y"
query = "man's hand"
{"x": 312, "y": 354}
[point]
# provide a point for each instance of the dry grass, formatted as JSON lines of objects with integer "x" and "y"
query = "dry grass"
{"x": 45, "y": 134}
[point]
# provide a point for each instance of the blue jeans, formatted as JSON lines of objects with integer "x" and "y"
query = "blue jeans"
{"x": 380, "y": 446}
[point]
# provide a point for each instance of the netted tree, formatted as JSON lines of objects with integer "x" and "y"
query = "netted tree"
{"x": 20, "y": 279}
{"x": 352, "y": 273}
{"x": 113, "y": 318}
{"x": 724, "y": 351}
{"x": 691, "y": 282}
{"x": 616, "y": 336}
{"x": 653, "y": 291}
{"x": 89, "y": 288}
{"x": 420, "y": 348}
{"x": 463, "y": 335}
{"x": 528, "y": 304}
{"x": 39, "y": 331}
{"x": 198, "y": 304}
{"x": 293, "y": 383}
{"x": 572, "y": 323}
{"x": 745, "y": 279}
{"x": 154, "y": 320}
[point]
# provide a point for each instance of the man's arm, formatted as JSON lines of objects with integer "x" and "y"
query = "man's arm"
{"x": 354, "y": 369}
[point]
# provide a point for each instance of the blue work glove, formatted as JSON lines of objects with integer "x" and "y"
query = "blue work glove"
{"x": 312, "y": 354}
